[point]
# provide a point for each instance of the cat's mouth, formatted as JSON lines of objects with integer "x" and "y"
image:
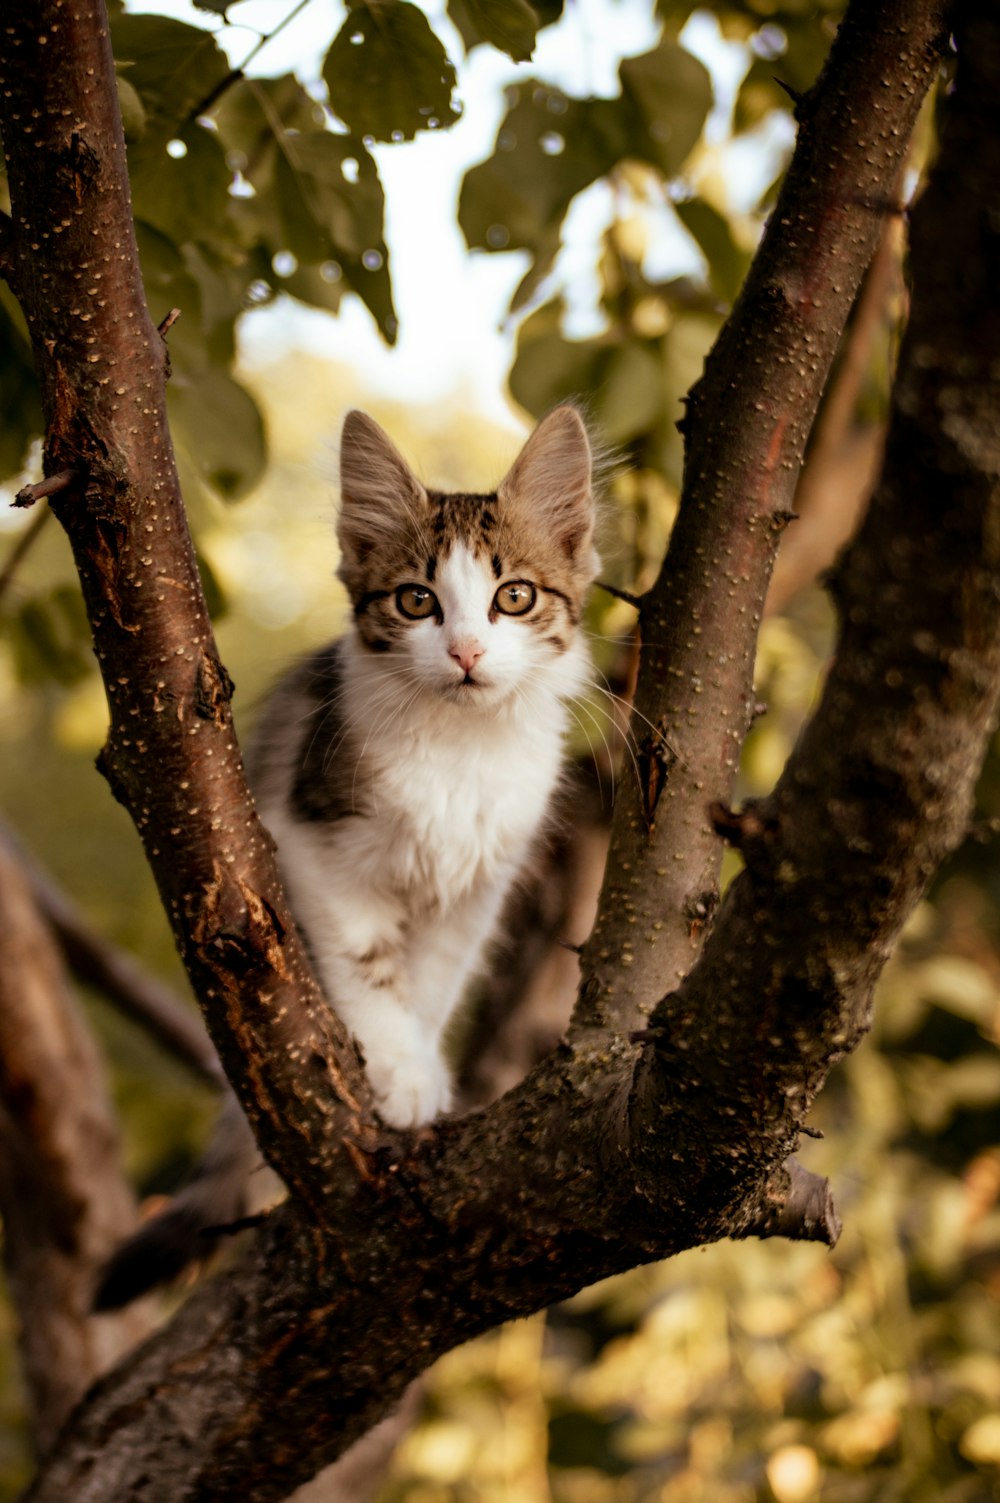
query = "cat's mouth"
{"x": 472, "y": 686}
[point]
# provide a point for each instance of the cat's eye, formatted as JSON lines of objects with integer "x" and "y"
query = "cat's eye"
{"x": 515, "y": 598}
{"x": 416, "y": 601}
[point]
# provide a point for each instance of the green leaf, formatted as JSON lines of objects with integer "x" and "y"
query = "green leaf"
{"x": 184, "y": 197}
{"x": 256, "y": 113}
{"x": 631, "y": 399}
{"x": 671, "y": 93}
{"x": 550, "y": 368}
{"x": 217, "y": 424}
{"x": 388, "y": 74}
{"x": 320, "y": 286}
{"x": 131, "y": 108}
{"x": 727, "y": 261}
{"x": 548, "y": 148}
{"x": 509, "y": 25}
{"x": 50, "y": 637}
{"x": 331, "y": 204}
{"x": 172, "y": 67}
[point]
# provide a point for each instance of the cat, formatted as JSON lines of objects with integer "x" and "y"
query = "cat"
{"x": 406, "y": 769}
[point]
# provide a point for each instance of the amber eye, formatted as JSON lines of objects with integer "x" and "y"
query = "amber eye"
{"x": 416, "y": 601}
{"x": 515, "y": 598}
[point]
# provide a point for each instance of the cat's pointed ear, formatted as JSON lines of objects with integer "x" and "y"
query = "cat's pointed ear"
{"x": 550, "y": 480}
{"x": 380, "y": 497}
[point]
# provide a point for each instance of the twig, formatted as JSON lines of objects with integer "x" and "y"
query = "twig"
{"x": 166, "y": 324}
{"x": 50, "y": 486}
{"x": 236, "y": 74}
{"x": 21, "y": 547}
{"x": 626, "y": 595}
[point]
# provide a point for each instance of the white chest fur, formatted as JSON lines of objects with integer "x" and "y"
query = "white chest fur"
{"x": 457, "y": 793}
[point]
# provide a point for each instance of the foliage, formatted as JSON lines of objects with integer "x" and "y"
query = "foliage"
{"x": 747, "y": 1372}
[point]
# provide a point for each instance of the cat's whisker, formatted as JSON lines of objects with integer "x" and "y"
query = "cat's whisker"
{"x": 631, "y": 712}
{"x": 377, "y": 729}
{"x": 382, "y": 695}
{"x": 624, "y": 737}
{"x": 571, "y": 710}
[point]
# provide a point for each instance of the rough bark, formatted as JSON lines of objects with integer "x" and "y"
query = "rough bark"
{"x": 746, "y": 427}
{"x": 392, "y": 1249}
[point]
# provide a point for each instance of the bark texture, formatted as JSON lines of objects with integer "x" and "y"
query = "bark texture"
{"x": 393, "y": 1248}
{"x": 747, "y": 423}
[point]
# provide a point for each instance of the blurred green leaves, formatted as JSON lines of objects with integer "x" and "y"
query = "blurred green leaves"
{"x": 388, "y": 74}
{"x": 550, "y": 147}
{"x": 509, "y": 25}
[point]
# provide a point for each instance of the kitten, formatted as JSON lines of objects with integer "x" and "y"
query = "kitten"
{"x": 406, "y": 769}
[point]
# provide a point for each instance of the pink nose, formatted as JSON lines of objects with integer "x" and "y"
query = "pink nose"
{"x": 466, "y": 655}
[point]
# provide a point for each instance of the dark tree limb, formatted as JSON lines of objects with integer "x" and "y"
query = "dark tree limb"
{"x": 139, "y": 995}
{"x": 746, "y": 427}
{"x": 63, "y": 1196}
{"x": 171, "y": 754}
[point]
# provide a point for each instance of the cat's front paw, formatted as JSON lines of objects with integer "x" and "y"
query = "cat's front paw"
{"x": 410, "y": 1088}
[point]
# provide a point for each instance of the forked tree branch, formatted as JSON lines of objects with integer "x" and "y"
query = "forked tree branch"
{"x": 596, "y": 1162}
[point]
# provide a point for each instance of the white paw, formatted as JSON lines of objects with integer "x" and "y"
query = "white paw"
{"x": 411, "y": 1086}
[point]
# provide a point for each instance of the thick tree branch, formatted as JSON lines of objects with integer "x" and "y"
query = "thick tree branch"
{"x": 747, "y": 423}
{"x": 880, "y": 787}
{"x": 591, "y": 1165}
{"x": 171, "y": 755}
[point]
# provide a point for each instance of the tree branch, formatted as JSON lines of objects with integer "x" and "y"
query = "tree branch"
{"x": 747, "y": 422}
{"x": 50, "y": 486}
{"x": 171, "y": 754}
{"x": 140, "y": 996}
{"x": 63, "y": 1195}
{"x": 880, "y": 786}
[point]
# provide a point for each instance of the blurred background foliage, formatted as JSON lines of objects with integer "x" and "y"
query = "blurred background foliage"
{"x": 739, "y": 1373}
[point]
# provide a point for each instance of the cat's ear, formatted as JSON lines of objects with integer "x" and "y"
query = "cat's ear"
{"x": 550, "y": 482}
{"x": 380, "y": 497}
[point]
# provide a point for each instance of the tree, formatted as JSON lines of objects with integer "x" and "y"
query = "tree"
{"x": 702, "y": 1032}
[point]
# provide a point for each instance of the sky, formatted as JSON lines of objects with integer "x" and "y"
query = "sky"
{"x": 454, "y": 335}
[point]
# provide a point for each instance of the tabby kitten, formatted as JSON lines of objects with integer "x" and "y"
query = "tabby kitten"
{"x": 405, "y": 769}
